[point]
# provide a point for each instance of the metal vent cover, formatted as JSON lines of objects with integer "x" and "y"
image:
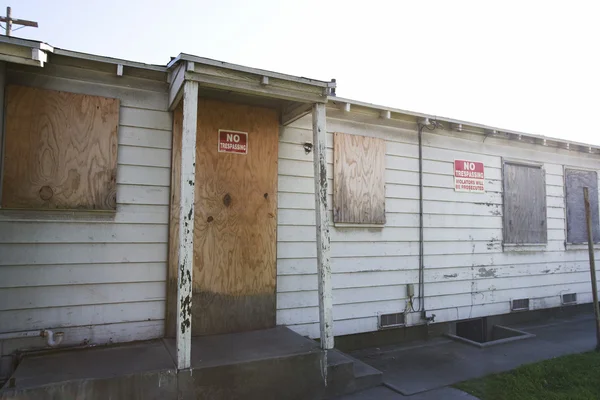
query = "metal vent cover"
{"x": 519, "y": 304}
{"x": 391, "y": 320}
{"x": 569, "y": 298}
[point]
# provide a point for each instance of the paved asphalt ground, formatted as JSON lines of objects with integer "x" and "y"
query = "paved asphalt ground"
{"x": 425, "y": 370}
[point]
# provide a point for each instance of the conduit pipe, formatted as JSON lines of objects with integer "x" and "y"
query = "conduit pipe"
{"x": 430, "y": 125}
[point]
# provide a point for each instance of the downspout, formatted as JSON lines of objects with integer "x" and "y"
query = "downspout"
{"x": 430, "y": 125}
{"x": 421, "y": 258}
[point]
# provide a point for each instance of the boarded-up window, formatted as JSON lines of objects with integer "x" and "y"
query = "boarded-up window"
{"x": 359, "y": 179}
{"x": 575, "y": 181}
{"x": 60, "y": 150}
{"x": 524, "y": 204}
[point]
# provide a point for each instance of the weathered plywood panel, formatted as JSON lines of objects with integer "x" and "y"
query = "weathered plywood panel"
{"x": 60, "y": 150}
{"x": 235, "y": 224}
{"x": 359, "y": 179}
{"x": 575, "y": 181}
{"x": 524, "y": 204}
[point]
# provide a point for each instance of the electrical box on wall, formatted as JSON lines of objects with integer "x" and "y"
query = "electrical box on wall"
{"x": 410, "y": 290}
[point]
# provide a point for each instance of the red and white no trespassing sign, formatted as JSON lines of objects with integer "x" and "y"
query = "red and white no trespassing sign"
{"x": 469, "y": 176}
{"x": 233, "y": 142}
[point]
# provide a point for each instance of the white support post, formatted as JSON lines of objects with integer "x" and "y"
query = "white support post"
{"x": 322, "y": 222}
{"x": 186, "y": 225}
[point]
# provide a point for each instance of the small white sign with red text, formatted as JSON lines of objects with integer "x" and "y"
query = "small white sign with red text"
{"x": 233, "y": 142}
{"x": 469, "y": 176}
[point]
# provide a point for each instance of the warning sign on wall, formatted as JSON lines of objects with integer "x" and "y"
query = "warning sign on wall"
{"x": 233, "y": 142}
{"x": 469, "y": 176}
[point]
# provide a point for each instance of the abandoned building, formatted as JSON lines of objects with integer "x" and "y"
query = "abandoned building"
{"x": 198, "y": 200}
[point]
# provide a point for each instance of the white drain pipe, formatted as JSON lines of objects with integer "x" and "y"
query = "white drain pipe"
{"x": 52, "y": 339}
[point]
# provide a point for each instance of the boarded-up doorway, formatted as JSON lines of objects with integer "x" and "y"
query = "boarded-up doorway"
{"x": 235, "y": 221}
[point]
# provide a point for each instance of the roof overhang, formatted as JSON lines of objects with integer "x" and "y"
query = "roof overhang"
{"x": 388, "y": 116}
{"x": 239, "y": 79}
{"x": 23, "y": 51}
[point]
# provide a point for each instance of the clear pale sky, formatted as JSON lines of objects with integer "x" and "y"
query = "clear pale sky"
{"x": 532, "y": 66}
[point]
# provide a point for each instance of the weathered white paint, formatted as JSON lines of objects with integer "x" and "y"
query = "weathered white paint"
{"x": 468, "y": 273}
{"x": 99, "y": 277}
{"x": 322, "y": 226}
{"x": 186, "y": 225}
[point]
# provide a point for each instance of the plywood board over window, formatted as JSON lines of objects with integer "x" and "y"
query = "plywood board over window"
{"x": 524, "y": 204}
{"x": 359, "y": 180}
{"x": 60, "y": 150}
{"x": 575, "y": 181}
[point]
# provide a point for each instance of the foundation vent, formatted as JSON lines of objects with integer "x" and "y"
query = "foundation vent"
{"x": 519, "y": 305}
{"x": 391, "y": 320}
{"x": 569, "y": 298}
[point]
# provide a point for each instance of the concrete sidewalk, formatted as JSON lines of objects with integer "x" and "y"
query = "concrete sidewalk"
{"x": 423, "y": 371}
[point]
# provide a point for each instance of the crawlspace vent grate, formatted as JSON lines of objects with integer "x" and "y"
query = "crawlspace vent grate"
{"x": 391, "y": 320}
{"x": 519, "y": 304}
{"x": 569, "y": 298}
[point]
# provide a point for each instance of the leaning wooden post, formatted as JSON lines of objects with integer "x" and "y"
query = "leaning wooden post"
{"x": 322, "y": 223}
{"x": 185, "y": 266}
{"x": 588, "y": 218}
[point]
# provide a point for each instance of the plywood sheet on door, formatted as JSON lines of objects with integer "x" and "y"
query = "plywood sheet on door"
{"x": 235, "y": 222}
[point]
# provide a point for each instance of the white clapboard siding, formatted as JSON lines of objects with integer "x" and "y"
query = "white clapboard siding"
{"x": 468, "y": 271}
{"x": 97, "y": 276}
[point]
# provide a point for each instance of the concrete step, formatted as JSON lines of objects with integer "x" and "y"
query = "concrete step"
{"x": 366, "y": 376}
{"x": 348, "y": 375}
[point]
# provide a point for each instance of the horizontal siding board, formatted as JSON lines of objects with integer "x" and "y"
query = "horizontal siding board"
{"x": 460, "y": 208}
{"x": 462, "y": 221}
{"x": 308, "y": 234}
{"x": 136, "y": 194}
{"x": 56, "y": 232}
{"x": 503, "y": 271}
{"x": 94, "y": 335}
{"x": 505, "y": 258}
{"x": 141, "y": 118}
{"x": 442, "y": 194}
{"x": 144, "y": 156}
{"x": 298, "y": 168}
{"x": 340, "y": 312}
{"x": 347, "y": 249}
{"x": 81, "y": 274}
{"x": 143, "y": 137}
{"x": 137, "y": 175}
{"x": 341, "y": 296}
{"x": 73, "y": 295}
{"x": 28, "y": 254}
{"x": 299, "y": 266}
{"x": 61, "y": 317}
